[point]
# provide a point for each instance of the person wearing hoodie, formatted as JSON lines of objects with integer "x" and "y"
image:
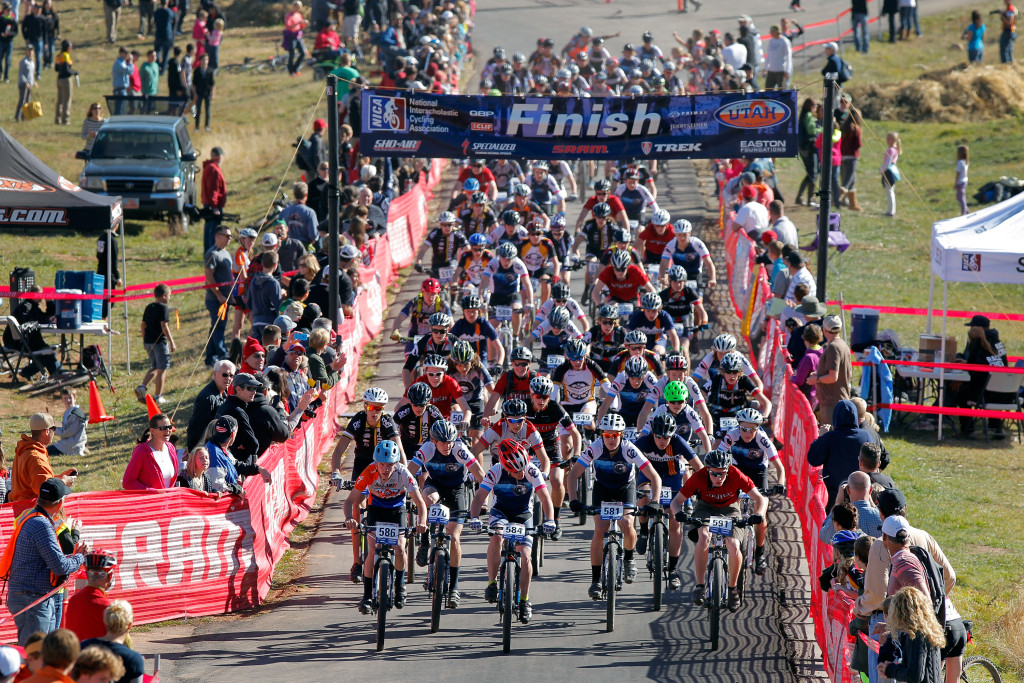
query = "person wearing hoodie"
{"x": 243, "y": 388}
{"x": 271, "y": 425}
{"x": 837, "y": 450}
{"x": 264, "y": 295}
{"x": 31, "y": 467}
{"x": 254, "y": 357}
{"x": 72, "y": 427}
{"x": 208, "y": 402}
{"x": 225, "y": 469}
{"x": 214, "y": 195}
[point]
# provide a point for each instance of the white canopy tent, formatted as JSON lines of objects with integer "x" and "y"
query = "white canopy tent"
{"x": 986, "y": 246}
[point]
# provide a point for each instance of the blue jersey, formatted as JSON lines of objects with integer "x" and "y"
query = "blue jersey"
{"x": 613, "y": 470}
{"x": 752, "y": 455}
{"x": 688, "y": 422}
{"x": 632, "y": 399}
{"x": 653, "y": 329}
{"x": 449, "y": 470}
{"x": 667, "y": 462}
{"x": 513, "y": 496}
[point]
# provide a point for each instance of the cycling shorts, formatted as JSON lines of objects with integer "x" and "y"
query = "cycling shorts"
{"x": 673, "y": 481}
{"x": 651, "y": 259}
{"x": 520, "y": 518}
{"x": 625, "y": 495}
{"x": 515, "y": 299}
{"x": 956, "y": 639}
{"x": 756, "y": 474}
{"x": 376, "y": 514}
{"x": 543, "y": 271}
{"x": 455, "y": 498}
{"x": 239, "y": 304}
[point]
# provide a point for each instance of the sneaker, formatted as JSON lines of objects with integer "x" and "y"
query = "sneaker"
{"x": 161, "y": 400}
{"x": 356, "y": 574}
{"x": 735, "y": 595}
{"x": 365, "y": 606}
{"x": 595, "y": 591}
{"x": 557, "y": 533}
{"x": 454, "y": 599}
{"x": 525, "y": 611}
{"x": 491, "y": 593}
{"x": 641, "y": 542}
{"x": 400, "y": 596}
{"x": 760, "y": 563}
{"x": 697, "y": 595}
{"x": 140, "y": 393}
{"x": 673, "y": 582}
{"x": 630, "y": 571}
{"x": 421, "y": 555}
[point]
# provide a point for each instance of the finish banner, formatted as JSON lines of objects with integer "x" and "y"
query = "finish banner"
{"x": 720, "y": 125}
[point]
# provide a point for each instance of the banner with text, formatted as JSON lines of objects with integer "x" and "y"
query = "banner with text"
{"x": 648, "y": 126}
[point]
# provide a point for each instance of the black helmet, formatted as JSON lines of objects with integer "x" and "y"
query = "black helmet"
{"x": 549, "y": 42}
{"x": 718, "y": 459}
{"x": 575, "y": 349}
{"x": 621, "y": 235}
{"x": 521, "y": 353}
{"x": 663, "y": 425}
{"x": 506, "y": 69}
{"x": 602, "y": 210}
{"x": 510, "y": 217}
{"x": 647, "y": 37}
{"x": 443, "y": 430}
{"x": 420, "y": 394}
{"x": 608, "y": 312}
{"x": 560, "y": 291}
{"x": 514, "y": 407}
{"x": 499, "y": 53}
{"x": 603, "y": 185}
{"x": 479, "y": 198}
{"x": 558, "y": 317}
{"x": 471, "y": 301}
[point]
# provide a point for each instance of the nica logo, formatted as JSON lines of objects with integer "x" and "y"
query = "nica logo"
{"x": 970, "y": 262}
{"x": 388, "y": 114}
{"x": 749, "y": 114}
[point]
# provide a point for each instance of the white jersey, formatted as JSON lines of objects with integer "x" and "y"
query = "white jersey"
{"x": 690, "y": 415}
{"x": 698, "y": 245}
{"x": 545, "y": 327}
{"x": 696, "y": 395}
{"x": 756, "y": 453}
{"x": 498, "y": 234}
{"x": 648, "y": 388}
{"x": 703, "y": 371}
{"x": 571, "y": 305}
{"x": 608, "y": 470}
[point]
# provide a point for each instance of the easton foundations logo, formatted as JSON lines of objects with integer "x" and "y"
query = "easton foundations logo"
{"x": 388, "y": 114}
{"x": 646, "y": 146}
{"x": 748, "y": 114}
{"x": 970, "y": 262}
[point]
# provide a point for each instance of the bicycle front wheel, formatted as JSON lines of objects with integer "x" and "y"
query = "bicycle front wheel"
{"x": 658, "y": 568}
{"x": 716, "y": 599}
{"x": 977, "y": 669}
{"x": 440, "y": 583}
{"x": 610, "y": 565}
{"x": 384, "y": 595}
{"x": 507, "y": 604}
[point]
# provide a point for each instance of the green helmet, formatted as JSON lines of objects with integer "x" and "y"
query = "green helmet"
{"x": 462, "y": 351}
{"x": 676, "y": 391}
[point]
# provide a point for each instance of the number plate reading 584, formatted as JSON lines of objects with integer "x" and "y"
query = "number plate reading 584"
{"x": 514, "y": 532}
{"x": 387, "y": 533}
{"x": 611, "y": 511}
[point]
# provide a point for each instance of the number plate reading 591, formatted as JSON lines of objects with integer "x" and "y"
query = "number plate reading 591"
{"x": 387, "y": 533}
{"x": 611, "y": 511}
{"x": 720, "y": 526}
{"x": 438, "y": 514}
{"x": 514, "y": 532}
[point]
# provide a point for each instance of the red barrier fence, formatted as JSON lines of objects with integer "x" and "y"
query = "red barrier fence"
{"x": 185, "y": 554}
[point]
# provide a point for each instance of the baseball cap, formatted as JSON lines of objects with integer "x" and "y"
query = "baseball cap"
{"x": 285, "y": 323}
{"x": 269, "y": 239}
{"x": 769, "y": 236}
{"x": 795, "y": 259}
{"x": 297, "y": 348}
{"x": 750, "y": 192}
{"x": 53, "y": 490}
{"x": 893, "y": 525}
{"x": 319, "y": 124}
{"x": 348, "y": 252}
{"x": 294, "y": 311}
{"x": 40, "y": 421}
{"x": 10, "y": 661}
{"x": 217, "y": 152}
{"x": 978, "y": 321}
{"x": 832, "y": 323}
{"x": 832, "y": 46}
{"x": 244, "y": 380}
{"x": 225, "y": 424}
{"x": 891, "y": 501}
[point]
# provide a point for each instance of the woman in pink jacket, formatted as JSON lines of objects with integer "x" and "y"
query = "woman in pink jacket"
{"x": 154, "y": 462}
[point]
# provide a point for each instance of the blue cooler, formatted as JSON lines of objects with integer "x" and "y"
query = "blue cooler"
{"x": 69, "y": 311}
{"x": 863, "y": 328}
{"x": 86, "y": 282}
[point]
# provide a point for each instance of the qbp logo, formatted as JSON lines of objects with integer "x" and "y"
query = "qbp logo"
{"x": 971, "y": 262}
{"x": 388, "y": 114}
{"x": 749, "y": 114}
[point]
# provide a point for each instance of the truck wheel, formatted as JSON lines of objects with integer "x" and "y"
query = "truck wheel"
{"x": 178, "y": 223}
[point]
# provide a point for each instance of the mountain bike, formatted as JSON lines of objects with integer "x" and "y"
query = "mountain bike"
{"x": 716, "y": 580}
{"x": 657, "y": 546}
{"x": 410, "y": 515}
{"x": 508, "y": 578}
{"x": 387, "y": 537}
{"x": 611, "y": 558}
{"x": 748, "y": 553}
{"x": 438, "y": 567}
{"x": 341, "y": 485}
{"x": 537, "y": 551}
{"x": 503, "y": 314}
{"x": 976, "y": 669}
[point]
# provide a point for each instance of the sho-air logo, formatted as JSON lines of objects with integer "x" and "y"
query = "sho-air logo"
{"x": 646, "y": 147}
{"x": 749, "y": 114}
{"x": 388, "y": 114}
{"x": 971, "y": 262}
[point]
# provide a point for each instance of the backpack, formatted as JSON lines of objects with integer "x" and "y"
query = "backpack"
{"x": 302, "y": 155}
{"x": 845, "y": 71}
{"x": 936, "y": 581}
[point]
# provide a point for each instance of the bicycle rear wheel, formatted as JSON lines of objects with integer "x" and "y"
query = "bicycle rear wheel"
{"x": 384, "y": 593}
{"x": 977, "y": 669}
{"x": 508, "y": 603}
{"x": 658, "y": 569}
{"x": 440, "y": 584}
{"x": 717, "y": 597}
{"x": 610, "y": 563}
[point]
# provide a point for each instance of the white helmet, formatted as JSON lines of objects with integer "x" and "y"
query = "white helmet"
{"x": 661, "y": 217}
{"x": 724, "y": 342}
{"x": 375, "y": 395}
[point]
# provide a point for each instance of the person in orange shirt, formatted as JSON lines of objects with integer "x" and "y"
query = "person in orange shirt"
{"x": 31, "y": 461}
{"x": 60, "y": 650}
{"x": 85, "y": 609}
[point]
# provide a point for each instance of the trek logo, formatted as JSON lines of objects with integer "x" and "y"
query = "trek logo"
{"x": 672, "y": 147}
{"x": 481, "y": 127}
{"x": 388, "y": 114}
{"x": 749, "y": 114}
{"x": 387, "y": 145}
{"x": 646, "y": 147}
{"x": 15, "y": 185}
{"x": 970, "y": 262}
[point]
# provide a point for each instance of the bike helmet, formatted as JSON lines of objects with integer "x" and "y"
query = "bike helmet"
{"x": 724, "y": 342}
{"x": 596, "y": 41}
{"x": 676, "y": 391}
{"x": 541, "y": 80}
{"x": 100, "y": 561}
{"x": 677, "y": 274}
{"x": 542, "y": 386}
{"x": 636, "y": 366}
{"x": 636, "y": 90}
{"x": 683, "y": 226}
{"x": 601, "y": 76}
{"x": 471, "y": 301}
{"x": 659, "y": 82}
{"x": 602, "y": 210}
{"x": 621, "y": 260}
{"x": 636, "y": 73}
{"x": 563, "y": 75}
{"x": 549, "y": 42}
{"x": 511, "y": 216}
{"x": 719, "y": 459}
{"x": 635, "y": 337}
{"x": 663, "y": 425}
{"x": 443, "y": 430}
{"x": 575, "y": 349}
{"x": 628, "y": 47}
{"x": 520, "y": 190}
{"x": 499, "y": 53}
{"x": 506, "y": 69}
{"x": 677, "y": 361}
{"x": 471, "y": 185}
{"x": 518, "y": 58}
{"x": 435, "y": 361}
{"x": 543, "y": 165}
{"x": 558, "y": 220}
{"x": 375, "y": 395}
{"x": 513, "y": 456}
{"x": 420, "y": 394}
{"x": 661, "y": 217}
{"x": 559, "y": 317}
{"x": 603, "y": 185}
{"x": 632, "y": 174}
{"x": 560, "y": 291}
{"x": 507, "y": 250}
{"x": 447, "y": 216}
{"x": 650, "y": 302}
{"x": 586, "y": 31}
{"x": 731, "y": 362}
{"x": 386, "y": 451}
{"x": 440, "y": 319}
{"x": 430, "y": 286}
{"x": 574, "y": 69}
{"x": 521, "y": 353}
{"x": 479, "y": 198}
{"x": 608, "y": 312}
{"x": 621, "y": 235}
{"x": 514, "y": 407}
{"x": 462, "y": 351}
{"x": 478, "y": 240}
{"x": 647, "y": 37}
{"x": 612, "y": 422}
{"x": 247, "y": 232}
{"x": 536, "y": 226}
{"x": 583, "y": 54}
{"x": 750, "y": 415}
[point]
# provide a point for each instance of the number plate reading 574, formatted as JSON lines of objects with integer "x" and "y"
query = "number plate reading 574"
{"x": 387, "y": 533}
{"x": 438, "y": 514}
{"x": 720, "y": 526}
{"x": 611, "y": 511}
{"x": 514, "y": 532}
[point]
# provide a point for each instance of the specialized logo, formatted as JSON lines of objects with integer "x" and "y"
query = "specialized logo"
{"x": 970, "y": 262}
{"x": 749, "y": 114}
{"x": 646, "y": 146}
{"x": 388, "y": 114}
{"x": 15, "y": 185}
{"x": 465, "y": 147}
{"x": 386, "y": 144}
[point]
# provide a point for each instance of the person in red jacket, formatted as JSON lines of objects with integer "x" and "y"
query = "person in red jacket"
{"x": 86, "y": 606}
{"x": 214, "y": 196}
{"x": 154, "y": 462}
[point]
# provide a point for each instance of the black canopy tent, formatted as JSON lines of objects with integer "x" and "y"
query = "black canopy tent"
{"x": 35, "y": 197}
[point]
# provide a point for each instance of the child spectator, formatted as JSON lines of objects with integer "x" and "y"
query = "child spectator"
{"x": 60, "y": 650}
{"x": 213, "y": 40}
{"x": 960, "y": 184}
{"x": 156, "y": 337}
{"x": 154, "y": 462}
{"x": 199, "y": 33}
{"x": 975, "y": 36}
{"x": 196, "y": 475}
{"x": 33, "y": 655}
{"x": 264, "y": 296}
{"x": 118, "y": 619}
{"x": 240, "y": 276}
{"x": 72, "y": 427}
{"x": 298, "y": 292}
{"x": 96, "y": 664}
{"x": 808, "y": 365}
{"x": 889, "y": 171}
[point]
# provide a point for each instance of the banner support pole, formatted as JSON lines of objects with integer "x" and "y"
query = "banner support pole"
{"x": 332, "y": 199}
{"x": 825, "y": 183}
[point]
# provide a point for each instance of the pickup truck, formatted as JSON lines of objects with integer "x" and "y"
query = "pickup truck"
{"x": 148, "y": 161}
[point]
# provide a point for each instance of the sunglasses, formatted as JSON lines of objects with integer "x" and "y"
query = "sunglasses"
{"x": 514, "y": 420}
{"x": 620, "y": 270}
{"x": 438, "y": 330}
{"x": 611, "y": 435}
{"x": 718, "y": 475}
{"x": 374, "y": 409}
{"x": 521, "y": 364}
{"x": 748, "y": 430}
{"x": 477, "y": 249}
{"x": 731, "y": 374}
{"x": 164, "y": 428}
{"x": 541, "y": 397}
{"x": 674, "y": 403}
{"x": 434, "y": 374}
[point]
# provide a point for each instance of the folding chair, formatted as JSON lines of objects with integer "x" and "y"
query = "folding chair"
{"x": 10, "y": 356}
{"x": 1003, "y": 383}
{"x": 23, "y": 350}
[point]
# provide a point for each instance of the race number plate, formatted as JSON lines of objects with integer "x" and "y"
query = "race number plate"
{"x": 625, "y": 310}
{"x": 445, "y": 274}
{"x": 387, "y": 533}
{"x": 514, "y": 532}
{"x": 629, "y": 434}
{"x": 555, "y": 361}
{"x": 583, "y": 419}
{"x": 653, "y": 271}
{"x": 666, "y": 496}
{"x": 438, "y": 514}
{"x": 720, "y": 526}
{"x": 456, "y": 417}
{"x": 593, "y": 267}
{"x": 729, "y": 423}
{"x": 611, "y": 511}
{"x": 502, "y": 313}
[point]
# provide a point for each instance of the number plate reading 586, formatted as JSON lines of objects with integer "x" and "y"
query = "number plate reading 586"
{"x": 514, "y": 532}
{"x": 720, "y": 526}
{"x": 387, "y": 533}
{"x": 611, "y": 511}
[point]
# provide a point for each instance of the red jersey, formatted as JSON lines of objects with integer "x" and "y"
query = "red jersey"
{"x": 444, "y": 395}
{"x": 653, "y": 242}
{"x": 85, "y": 613}
{"x": 511, "y": 385}
{"x": 612, "y": 201}
{"x": 721, "y": 496}
{"x": 484, "y": 176}
{"x": 624, "y": 290}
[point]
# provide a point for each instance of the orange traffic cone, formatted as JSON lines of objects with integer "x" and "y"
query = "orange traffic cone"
{"x": 151, "y": 407}
{"x": 97, "y": 413}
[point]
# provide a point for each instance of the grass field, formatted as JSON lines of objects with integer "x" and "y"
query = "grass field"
{"x": 963, "y": 492}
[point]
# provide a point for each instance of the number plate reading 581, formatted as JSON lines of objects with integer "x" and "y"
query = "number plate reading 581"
{"x": 720, "y": 526}
{"x": 611, "y": 511}
{"x": 387, "y": 533}
{"x": 514, "y": 532}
